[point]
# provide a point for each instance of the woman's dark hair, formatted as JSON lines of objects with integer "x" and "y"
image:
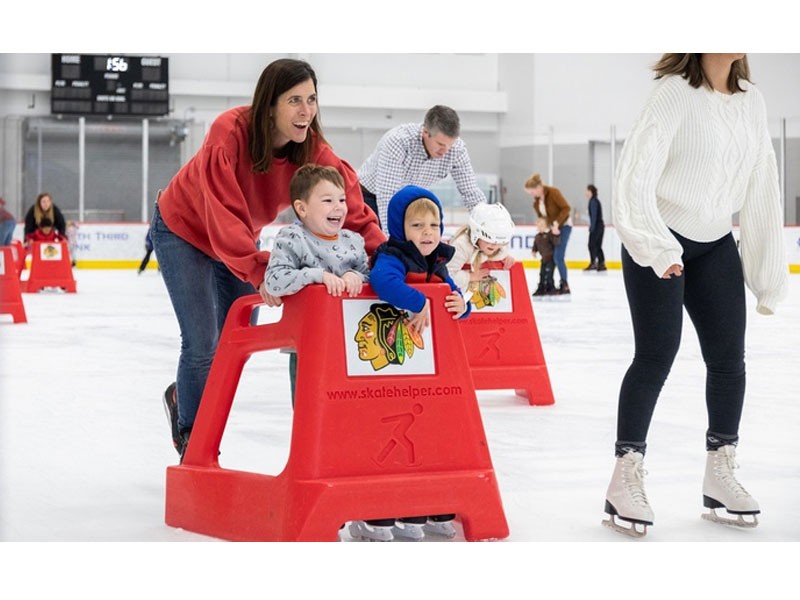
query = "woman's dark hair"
{"x": 690, "y": 68}
{"x": 279, "y": 77}
{"x": 592, "y": 189}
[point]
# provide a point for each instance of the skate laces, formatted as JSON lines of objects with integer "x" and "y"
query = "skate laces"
{"x": 633, "y": 478}
{"x": 724, "y": 464}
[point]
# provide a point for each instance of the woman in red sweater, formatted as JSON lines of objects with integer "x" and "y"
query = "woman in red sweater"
{"x": 208, "y": 220}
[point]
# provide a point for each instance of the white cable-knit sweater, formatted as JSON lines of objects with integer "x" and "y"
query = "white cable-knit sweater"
{"x": 694, "y": 158}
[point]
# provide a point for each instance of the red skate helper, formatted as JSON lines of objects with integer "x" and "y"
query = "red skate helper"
{"x": 19, "y": 256}
{"x": 385, "y": 424}
{"x": 502, "y": 340}
{"x": 50, "y": 268}
{"x": 10, "y": 293}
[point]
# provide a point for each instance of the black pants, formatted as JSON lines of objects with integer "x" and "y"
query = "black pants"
{"x": 712, "y": 290}
{"x": 596, "y": 255}
{"x": 146, "y": 259}
{"x": 546, "y": 283}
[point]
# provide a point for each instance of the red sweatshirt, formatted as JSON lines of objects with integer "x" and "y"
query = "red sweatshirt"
{"x": 40, "y": 236}
{"x": 219, "y": 205}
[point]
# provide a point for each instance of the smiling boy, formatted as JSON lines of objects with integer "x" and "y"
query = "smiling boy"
{"x": 316, "y": 249}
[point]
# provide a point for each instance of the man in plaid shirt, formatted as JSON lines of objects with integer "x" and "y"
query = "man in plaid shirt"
{"x": 419, "y": 154}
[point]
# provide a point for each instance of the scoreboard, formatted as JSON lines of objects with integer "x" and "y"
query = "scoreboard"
{"x": 109, "y": 84}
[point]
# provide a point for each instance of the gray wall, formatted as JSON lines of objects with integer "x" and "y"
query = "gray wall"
{"x": 512, "y": 106}
{"x": 114, "y": 169}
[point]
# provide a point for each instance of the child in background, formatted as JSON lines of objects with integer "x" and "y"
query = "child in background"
{"x": 414, "y": 252}
{"x": 484, "y": 238}
{"x": 544, "y": 244}
{"x": 316, "y": 249}
{"x": 44, "y": 233}
{"x": 72, "y": 240}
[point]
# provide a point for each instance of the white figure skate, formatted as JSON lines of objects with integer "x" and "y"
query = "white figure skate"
{"x": 409, "y": 531}
{"x": 360, "y": 530}
{"x": 722, "y": 490}
{"x": 441, "y": 528}
{"x": 626, "y": 498}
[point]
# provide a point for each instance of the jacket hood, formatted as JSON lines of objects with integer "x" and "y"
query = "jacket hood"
{"x": 396, "y": 212}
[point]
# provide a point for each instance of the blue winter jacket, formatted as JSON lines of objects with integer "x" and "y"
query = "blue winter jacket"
{"x": 397, "y": 258}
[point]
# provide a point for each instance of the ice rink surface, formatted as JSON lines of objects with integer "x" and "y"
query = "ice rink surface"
{"x": 84, "y": 442}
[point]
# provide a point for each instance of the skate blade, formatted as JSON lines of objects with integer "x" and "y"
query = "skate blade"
{"x": 632, "y": 531}
{"x": 739, "y": 521}
{"x": 166, "y": 411}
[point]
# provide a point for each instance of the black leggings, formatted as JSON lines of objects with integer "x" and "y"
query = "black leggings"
{"x": 712, "y": 290}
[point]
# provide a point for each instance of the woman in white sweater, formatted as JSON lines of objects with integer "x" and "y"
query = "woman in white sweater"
{"x": 699, "y": 152}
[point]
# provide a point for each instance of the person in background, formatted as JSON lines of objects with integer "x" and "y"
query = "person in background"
{"x": 699, "y": 152}
{"x": 7, "y": 224}
{"x": 544, "y": 244}
{"x": 597, "y": 259}
{"x": 72, "y": 240}
{"x": 44, "y": 233}
{"x": 148, "y": 251}
{"x": 549, "y": 202}
{"x": 44, "y": 207}
{"x": 419, "y": 154}
{"x": 207, "y": 222}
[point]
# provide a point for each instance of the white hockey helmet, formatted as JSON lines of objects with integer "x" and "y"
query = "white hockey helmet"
{"x": 490, "y": 222}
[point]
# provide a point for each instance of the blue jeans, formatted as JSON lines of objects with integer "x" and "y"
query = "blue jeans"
{"x": 7, "y": 232}
{"x": 201, "y": 290}
{"x": 560, "y": 251}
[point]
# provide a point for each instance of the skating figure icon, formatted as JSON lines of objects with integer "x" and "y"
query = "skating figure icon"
{"x": 399, "y": 436}
{"x": 491, "y": 343}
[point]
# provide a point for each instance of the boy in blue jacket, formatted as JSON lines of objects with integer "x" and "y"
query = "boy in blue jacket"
{"x": 413, "y": 254}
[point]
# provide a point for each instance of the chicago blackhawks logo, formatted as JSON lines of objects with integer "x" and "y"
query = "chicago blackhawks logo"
{"x": 486, "y": 292}
{"x": 385, "y": 337}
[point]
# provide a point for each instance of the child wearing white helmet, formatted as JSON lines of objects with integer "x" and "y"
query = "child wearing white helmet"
{"x": 484, "y": 238}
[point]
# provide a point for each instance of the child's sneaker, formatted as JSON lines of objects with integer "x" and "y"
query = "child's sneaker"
{"x": 442, "y": 528}
{"x": 361, "y": 530}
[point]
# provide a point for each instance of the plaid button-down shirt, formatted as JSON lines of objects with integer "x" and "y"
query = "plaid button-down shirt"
{"x": 400, "y": 159}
